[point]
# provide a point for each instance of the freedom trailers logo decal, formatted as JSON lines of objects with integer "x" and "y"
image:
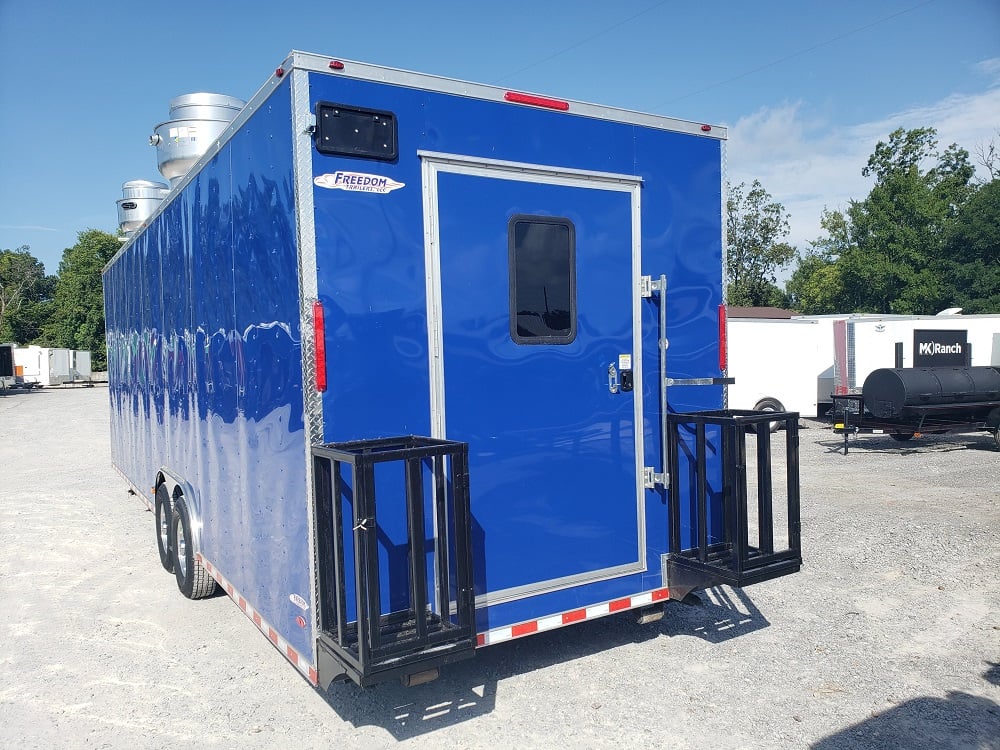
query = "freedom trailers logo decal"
{"x": 358, "y": 182}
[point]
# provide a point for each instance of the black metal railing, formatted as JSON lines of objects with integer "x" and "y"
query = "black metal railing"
{"x": 711, "y": 543}
{"x": 370, "y": 632}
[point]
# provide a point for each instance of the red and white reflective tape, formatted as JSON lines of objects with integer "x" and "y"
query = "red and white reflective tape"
{"x": 135, "y": 490}
{"x": 521, "y": 629}
{"x": 308, "y": 670}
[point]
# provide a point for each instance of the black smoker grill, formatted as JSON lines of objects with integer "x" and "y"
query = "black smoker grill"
{"x": 908, "y": 401}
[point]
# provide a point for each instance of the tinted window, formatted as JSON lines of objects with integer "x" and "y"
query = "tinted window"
{"x": 542, "y": 259}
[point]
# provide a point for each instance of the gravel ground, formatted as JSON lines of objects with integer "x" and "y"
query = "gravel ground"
{"x": 888, "y": 638}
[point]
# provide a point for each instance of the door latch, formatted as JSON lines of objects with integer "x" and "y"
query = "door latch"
{"x": 651, "y": 478}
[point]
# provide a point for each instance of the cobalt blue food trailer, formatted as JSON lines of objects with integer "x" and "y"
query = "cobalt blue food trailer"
{"x": 411, "y": 366}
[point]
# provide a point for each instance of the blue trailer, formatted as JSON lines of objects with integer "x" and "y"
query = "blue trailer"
{"x": 411, "y": 366}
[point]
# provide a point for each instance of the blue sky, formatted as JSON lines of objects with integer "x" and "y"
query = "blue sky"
{"x": 806, "y": 88}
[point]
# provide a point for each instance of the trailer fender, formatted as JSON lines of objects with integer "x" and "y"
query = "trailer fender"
{"x": 178, "y": 486}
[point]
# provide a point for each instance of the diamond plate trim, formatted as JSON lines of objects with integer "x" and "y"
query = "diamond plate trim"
{"x": 305, "y": 218}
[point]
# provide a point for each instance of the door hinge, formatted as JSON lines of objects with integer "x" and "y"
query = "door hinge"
{"x": 647, "y": 286}
{"x": 651, "y": 479}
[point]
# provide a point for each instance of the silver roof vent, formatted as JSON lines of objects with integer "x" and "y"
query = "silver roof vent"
{"x": 139, "y": 200}
{"x": 196, "y": 121}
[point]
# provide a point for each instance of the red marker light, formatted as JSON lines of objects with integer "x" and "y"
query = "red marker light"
{"x": 536, "y": 101}
{"x": 336, "y": 65}
{"x": 300, "y": 621}
{"x": 723, "y": 340}
{"x": 706, "y": 128}
{"x": 279, "y": 72}
{"x": 319, "y": 334}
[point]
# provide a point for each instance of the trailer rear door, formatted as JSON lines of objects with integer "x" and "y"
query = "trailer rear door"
{"x": 533, "y": 329}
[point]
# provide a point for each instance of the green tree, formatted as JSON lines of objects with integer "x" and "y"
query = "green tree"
{"x": 78, "y": 315}
{"x": 971, "y": 265}
{"x": 25, "y": 296}
{"x": 815, "y": 287}
{"x": 891, "y": 260}
{"x": 755, "y": 226}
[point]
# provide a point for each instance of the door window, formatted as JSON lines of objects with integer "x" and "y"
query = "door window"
{"x": 542, "y": 267}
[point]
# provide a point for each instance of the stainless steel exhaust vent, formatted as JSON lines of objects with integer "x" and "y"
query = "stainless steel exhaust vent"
{"x": 196, "y": 121}
{"x": 139, "y": 200}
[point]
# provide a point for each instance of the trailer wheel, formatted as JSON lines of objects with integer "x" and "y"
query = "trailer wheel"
{"x": 902, "y": 437}
{"x": 164, "y": 540}
{"x": 770, "y": 404}
{"x": 996, "y": 437}
{"x": 192, "y": 578}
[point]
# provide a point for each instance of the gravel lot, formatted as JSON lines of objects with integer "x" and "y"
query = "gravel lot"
{"x": 888, "y": 638}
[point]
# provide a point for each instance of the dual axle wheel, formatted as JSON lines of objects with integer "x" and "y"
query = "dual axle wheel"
{"x": 173, "y": 542}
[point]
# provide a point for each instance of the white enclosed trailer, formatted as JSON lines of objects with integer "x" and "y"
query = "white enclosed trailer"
{"x": 42, "y": 365}
{"x": 864, "y": 343}
{"x": 776, "y": 363}
{"x": 81, "y": 369}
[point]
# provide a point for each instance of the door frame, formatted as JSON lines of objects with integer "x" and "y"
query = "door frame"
{"x": 435, "y": 163}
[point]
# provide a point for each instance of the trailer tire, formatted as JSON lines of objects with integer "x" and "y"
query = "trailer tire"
{"x": 164, "y": 528}
{"x": 192, "y": 578}
{"x": 770, "y": 404}
{"x": 996, "y": 437}
{"x": 901, "y": 437}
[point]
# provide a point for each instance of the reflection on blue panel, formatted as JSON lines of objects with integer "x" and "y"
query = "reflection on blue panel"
{"x": 551, "y": 449}
{"x": 204, "y": 358}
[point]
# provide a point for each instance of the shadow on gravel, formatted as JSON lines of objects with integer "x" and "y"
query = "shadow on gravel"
{"x": 889, "y": 447}
{"x": 724, "y": 614}
{"x": 468, "y": 689}
{"x": 8, "y": 392}
{"x": 992, "y": 675}
{"x": 958, "y": 720}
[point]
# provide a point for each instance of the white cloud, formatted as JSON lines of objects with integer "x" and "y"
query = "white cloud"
{"x": 990, "y": 68}
{"x": 27, "y": 227}
{"x": 809, "y": 164}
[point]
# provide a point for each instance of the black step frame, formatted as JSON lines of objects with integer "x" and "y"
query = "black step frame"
{"x": 376, "y": 646}
{"x": 734, "y": 561}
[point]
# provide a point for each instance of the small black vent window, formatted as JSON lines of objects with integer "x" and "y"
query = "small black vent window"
{"x": 542, "y": 261}
{"x": 352, "y": 131}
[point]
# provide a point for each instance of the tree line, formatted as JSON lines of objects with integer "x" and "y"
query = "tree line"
{"x": 64, "y": 310}
{"x": 926, "y": 238}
